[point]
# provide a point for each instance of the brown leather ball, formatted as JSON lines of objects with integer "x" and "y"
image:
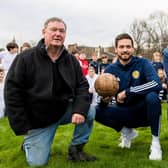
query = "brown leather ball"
{"x": 106, "y": 85}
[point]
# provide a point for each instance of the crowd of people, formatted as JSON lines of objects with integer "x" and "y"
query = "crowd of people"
{"x": 46, "y": 86}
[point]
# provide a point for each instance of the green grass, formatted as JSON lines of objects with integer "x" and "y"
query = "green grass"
{"x": 103, "y": 144}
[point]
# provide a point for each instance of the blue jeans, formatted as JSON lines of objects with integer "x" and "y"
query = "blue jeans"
{"x": 38, "y": 142}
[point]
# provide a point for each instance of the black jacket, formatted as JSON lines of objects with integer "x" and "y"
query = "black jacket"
{"x": 29, "y": 98}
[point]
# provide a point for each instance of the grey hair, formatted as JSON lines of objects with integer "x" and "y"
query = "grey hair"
{"x": 53, "y": 19}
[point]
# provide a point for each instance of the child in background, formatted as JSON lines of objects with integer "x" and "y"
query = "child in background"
{"x": 91, "y": 77}
{"x": 84, "y": 63}
{"x": 157, "y": 61}
{"x": 104, "y": 63}
{"x": 94, "y": 63}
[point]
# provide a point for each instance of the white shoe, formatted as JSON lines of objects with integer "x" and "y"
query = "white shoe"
{"x": 155, "y": 152}
{"x": 126, "y": 139}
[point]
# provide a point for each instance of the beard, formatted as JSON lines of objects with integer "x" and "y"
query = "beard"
{"x": 125, "y": 57}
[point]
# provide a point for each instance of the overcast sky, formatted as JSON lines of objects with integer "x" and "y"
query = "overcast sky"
{"x": 90, "y": 22}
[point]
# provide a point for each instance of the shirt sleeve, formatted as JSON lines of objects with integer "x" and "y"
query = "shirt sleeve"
{"x": 151, "y": 83}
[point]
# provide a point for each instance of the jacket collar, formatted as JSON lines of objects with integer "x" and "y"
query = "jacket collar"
{"x": 127, "y": 65}
{"x": 43, "y": 50}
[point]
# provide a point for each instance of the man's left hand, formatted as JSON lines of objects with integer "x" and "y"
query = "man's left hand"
{"x": 78, "y": 118}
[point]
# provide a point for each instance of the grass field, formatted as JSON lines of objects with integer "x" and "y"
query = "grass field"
{"x": 103, "y": 144}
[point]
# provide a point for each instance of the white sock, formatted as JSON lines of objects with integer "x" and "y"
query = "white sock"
{"x": 126, "y": 130}
{"x": 155, "y": 140}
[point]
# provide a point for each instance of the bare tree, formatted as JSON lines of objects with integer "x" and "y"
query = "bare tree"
{"x": 137, "y": 32}
{"x": 159, "y": 22}
{"x": 150, "y": 34}
{"x": 156, "y": 31}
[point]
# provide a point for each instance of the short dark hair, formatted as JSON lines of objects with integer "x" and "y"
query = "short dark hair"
{"x": 26, "y": 44}
{"x": 53, "y": 19}
{"x": 123, "y": 36}
{"x": 11, "y": 45}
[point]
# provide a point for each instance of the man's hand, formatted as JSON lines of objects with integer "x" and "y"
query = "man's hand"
{"x": 78, "y": 118}
{"x": 164, "y": 85}
{"x": 121, "y": 96}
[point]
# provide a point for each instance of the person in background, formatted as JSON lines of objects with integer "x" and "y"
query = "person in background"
{"x": 7, "y": 57}
{"x": 165, "y": 62}
{"x": 84, "y": 63}
{"x": 76, "y": 54}
{"x": 157, "y": 61}
{"x": 45, "y": 88}
{"x": 1, "y": 91}
{"x": 104, "y": 63}
{"x": 25, "y": 46}
{"x": 163, "y": 92}
{"x": 94, "y": 63}
{"x": 91, "y": 77}
{"x": 137, "y": 100}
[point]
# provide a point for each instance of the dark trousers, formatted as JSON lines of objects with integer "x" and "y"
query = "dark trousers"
{"x": 146, "y": 112}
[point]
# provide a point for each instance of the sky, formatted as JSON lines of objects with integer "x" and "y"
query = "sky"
{"x": 89, "y": 22}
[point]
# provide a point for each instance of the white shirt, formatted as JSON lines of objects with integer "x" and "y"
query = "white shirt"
{"x": 91, "y": 82}
{"x": 1, "y": 100}
{"x": 6, "y": 59}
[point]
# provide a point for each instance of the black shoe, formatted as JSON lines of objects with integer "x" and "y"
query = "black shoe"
{"x": 76, "y": 154}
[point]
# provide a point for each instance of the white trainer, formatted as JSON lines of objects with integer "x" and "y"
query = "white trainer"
{"x": 155, "y": 152}
{"x": 127, "y": 138}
